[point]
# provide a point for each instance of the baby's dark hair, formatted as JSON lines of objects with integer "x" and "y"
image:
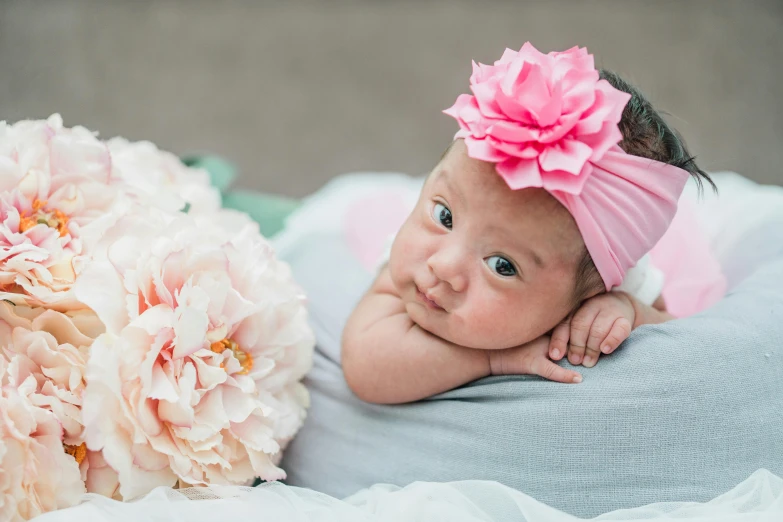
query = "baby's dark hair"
{"x": 645, "y": 134}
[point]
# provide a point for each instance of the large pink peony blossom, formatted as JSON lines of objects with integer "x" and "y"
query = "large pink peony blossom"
{"x": 147, "y": 336}
{"x": 542, "y": 118}
{"x": 197, "y": 378}
{"x": 61, "y": 188}
{"x": 36, "y": 475}
{"x": 56, "y": 199}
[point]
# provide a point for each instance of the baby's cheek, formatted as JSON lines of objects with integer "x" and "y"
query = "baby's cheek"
{"x": 502, "y": 324}
{"x": 397, "y": 260}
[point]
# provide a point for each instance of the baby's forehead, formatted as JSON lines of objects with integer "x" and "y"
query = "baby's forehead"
{"x": 531, "y": 216}
{"x": 481, "y": 189}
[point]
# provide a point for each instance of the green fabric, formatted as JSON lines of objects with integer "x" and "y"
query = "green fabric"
{"x": 268, "y": 210}
{"x": 221, "y": 173}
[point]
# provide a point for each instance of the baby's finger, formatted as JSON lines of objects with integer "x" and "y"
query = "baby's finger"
{"x": 620, "y": 331}
{"x": 558, "y": 344}
{"x": 580, "y": 331}
{"x": 602, "y": 325}
{"x": 548, "y": 370}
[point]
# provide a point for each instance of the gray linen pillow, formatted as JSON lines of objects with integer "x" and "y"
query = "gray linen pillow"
{"x": 683, "y": 412}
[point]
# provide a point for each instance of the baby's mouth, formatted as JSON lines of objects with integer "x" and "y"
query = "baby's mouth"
{"x": 430, "y": 302}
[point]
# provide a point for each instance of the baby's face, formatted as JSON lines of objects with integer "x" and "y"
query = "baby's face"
{"x": 481, "y": 265}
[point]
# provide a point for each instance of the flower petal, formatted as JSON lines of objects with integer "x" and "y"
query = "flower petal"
{"x": 191, "y": 331}
{"x": 520, "y": 173}
{"x": 568, "y": 155}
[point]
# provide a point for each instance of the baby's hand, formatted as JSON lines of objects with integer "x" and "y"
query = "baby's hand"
{"x": 598, "y": 326}
{"x": 530, "y": 359}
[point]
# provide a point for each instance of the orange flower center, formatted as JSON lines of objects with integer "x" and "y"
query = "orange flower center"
{"x": 77, "y": 452}
{"x": 244, "y": 358}
{"x": 43, "y": 215}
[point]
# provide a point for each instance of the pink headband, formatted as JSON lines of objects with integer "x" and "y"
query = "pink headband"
{"x": 547, "y": 120}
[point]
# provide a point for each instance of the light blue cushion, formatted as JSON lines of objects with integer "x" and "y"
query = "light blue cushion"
{"x": 684, "y": 411}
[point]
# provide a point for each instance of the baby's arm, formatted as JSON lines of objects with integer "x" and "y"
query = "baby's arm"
{"x": 388, "y": 359}
{"x": 600, "y": 325}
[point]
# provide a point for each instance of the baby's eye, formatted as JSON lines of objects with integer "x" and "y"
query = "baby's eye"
{"x": 442, "y": 215}
{"x": 501, "y": 266}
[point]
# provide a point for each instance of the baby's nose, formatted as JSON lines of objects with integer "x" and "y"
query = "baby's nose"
{"x": 448, "y": 265}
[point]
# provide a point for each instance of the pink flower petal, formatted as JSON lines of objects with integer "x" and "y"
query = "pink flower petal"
{"x": 210, "y": 411}
{"x": 238, "y": 405}
{"x": 209, "y": 376}
{"x": 101, "y": 479}
{"x": 147, "y": 459}
{"x": 522, "y": 101}
{"x": 602, "y": 141}
{"x": 264, "y": 467}
{"x": 508, "y": 56}
{"x": 568, "y": 155}
{"x": 549, "y": 113}
{"x": 531, "y": 107}
{"x": 161, "y": 388}
{"x": 147, "y": 417}
{"x": 557, "y": 132}
{"x": 462, "y": 101}
{"x": 485, "y": 99}
{"x": 256, "y": 434}
{"x": 527, "y": 150}
{"x": 520, "y": 173}
{"x": 530, "y": 54}
{"x": 513, "y": 132}
{"x": 99, "y": 287}
{"x": 191, "y": 331}
{"x": 579, "y": 88}
{"x": 483, "y": 150}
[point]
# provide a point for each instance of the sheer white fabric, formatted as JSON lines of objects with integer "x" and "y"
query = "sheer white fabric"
{"x": 757, "y": 499}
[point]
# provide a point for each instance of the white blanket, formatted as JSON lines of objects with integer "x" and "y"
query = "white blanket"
{"x": 758, "y": 499}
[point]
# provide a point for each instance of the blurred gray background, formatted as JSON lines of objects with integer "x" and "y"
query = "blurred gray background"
{"x": 295, "y": 92}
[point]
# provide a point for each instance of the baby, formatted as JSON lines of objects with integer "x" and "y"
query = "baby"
{"x": 529, "y": 240}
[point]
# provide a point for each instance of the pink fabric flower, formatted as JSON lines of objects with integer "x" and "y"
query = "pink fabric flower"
{"x": 197, "y": 378}
{"x": 36, "y": 475}
{"x": 542, "y": 118}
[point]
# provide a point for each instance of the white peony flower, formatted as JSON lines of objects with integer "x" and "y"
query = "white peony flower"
{"x": 158, "y": 178}
{"x": 50, "y": 349}
{"x": 197, "y": 378}
{"x": 56, "y": 199}
{"x": 36, "y": 475}
{"x": 47, "y": 353}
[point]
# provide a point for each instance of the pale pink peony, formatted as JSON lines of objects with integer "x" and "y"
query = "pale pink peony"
{"x": 47, "y": 353}
{"x": 160, "y": 179}
{"x": 36, "y": 475}
{"x": 542, "y": 118}
{"x": 56, "y": 199}
{"x": 197, "y": 378}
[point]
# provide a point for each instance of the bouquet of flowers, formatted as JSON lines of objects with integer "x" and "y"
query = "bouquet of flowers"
{"x": 148, "y": 337}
